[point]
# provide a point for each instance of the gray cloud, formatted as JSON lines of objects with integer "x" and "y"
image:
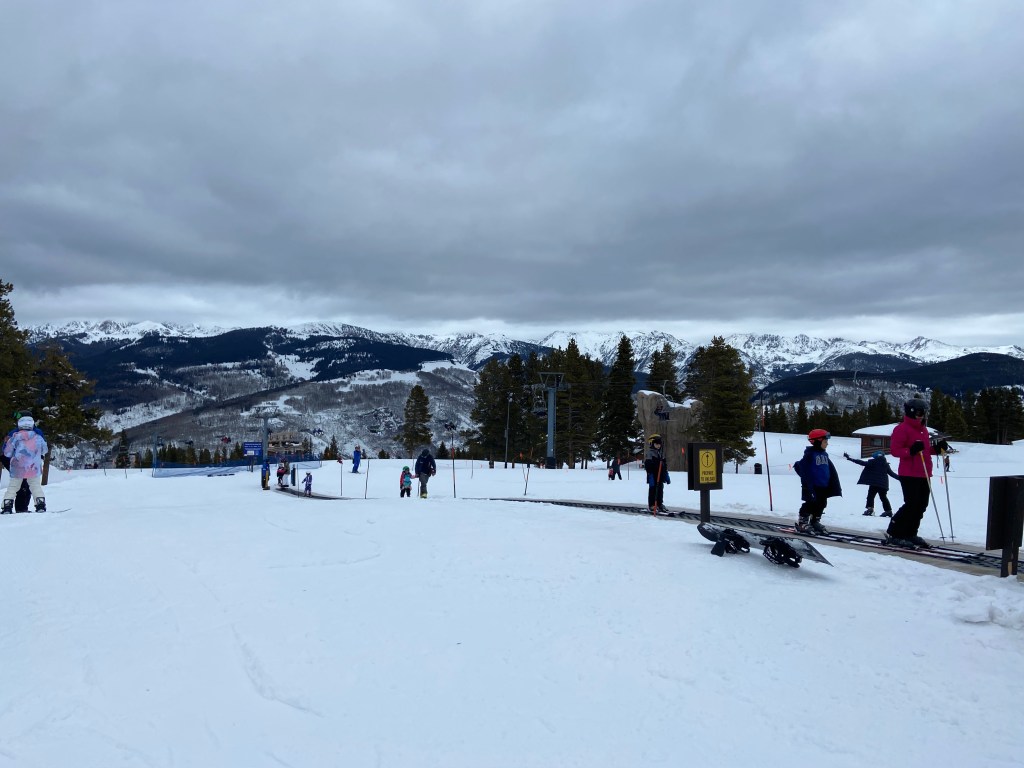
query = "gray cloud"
{"x": 732, "y": 166}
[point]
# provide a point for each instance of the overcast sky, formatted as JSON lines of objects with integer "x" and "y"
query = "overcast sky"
{"x": 833, "y": 168}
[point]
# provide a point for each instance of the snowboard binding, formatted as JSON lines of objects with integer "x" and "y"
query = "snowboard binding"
{"x": 731, "y": 542}
{"x": 781, "y": 553}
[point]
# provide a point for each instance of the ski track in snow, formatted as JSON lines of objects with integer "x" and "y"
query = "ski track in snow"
{"x": 262, "y": 683}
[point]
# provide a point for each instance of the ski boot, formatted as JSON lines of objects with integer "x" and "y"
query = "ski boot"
{"x": 887, "y": 513}
{"x": 8, "y": 507}
{"x": 40, "y": 504}
{"x": 920, "y": 543}
{"x": 869, "y": 511}
{"x": 816, "y": 527}
{"x": 662, "y": 509}
{"x": 893, "y": 541}
{"x": 803, "y": 525}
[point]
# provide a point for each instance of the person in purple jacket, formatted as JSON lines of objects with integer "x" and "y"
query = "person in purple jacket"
{"x": 25, "y": 449}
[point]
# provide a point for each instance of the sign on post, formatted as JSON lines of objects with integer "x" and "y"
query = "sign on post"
{"x": 252, "y": 448}
{"x": 704, "y": 466}
{"x": 704, "y": 473}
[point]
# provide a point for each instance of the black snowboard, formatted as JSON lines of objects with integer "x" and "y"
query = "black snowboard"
{"x": 778, "y": 548}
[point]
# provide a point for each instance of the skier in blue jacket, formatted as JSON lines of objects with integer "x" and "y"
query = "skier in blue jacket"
{"x": 357, "y": 455}
{"x": 819, "y": 481}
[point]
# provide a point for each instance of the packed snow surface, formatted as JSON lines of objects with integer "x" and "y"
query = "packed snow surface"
{"x": 202, "y": 621}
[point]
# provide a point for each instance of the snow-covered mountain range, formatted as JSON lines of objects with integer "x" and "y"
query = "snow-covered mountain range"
{"x": 769, "y": 355}
{"x": 333, "y": 379}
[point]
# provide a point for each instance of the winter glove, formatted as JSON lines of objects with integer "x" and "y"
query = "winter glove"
{"x": 846, "y": 455}
{"x": 916, "y": 447}
{"x": 668, "y": 480}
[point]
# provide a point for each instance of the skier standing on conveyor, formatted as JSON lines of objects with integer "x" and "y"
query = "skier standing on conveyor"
{"x": 425, "y": 469}
{"x": 911, "y": 444}
{"x": 819, "y": 481}
{"x": 657, "y": 475}
{"x": 875, "y": 476}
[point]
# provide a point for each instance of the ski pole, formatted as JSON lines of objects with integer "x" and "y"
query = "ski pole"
{"x": 529, "y": 461}
{"x": 949, "y": 507}
{"x": 927, "y": 477}
{"x": 366, "y": 481}
{"x": 767, "y": 465}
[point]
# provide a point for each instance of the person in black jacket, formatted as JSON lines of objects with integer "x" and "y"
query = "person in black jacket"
{"x": 657, "y": 475}
{"x": 875, "y": 476}
{"x": 613, "y": 469}
{"x": 425, "y": 469}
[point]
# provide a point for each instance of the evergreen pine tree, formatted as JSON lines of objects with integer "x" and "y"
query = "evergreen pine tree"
{"x": 416, "y": 429}
{"x": 16, "y": 362}
{"x": 615, "y": 433}
{"x": 664, "y": 374}
{"x": 724, "y": 386}
{"x": 801, "y": 421}
{"x": 491, "y": 408}
{"x": 331, "y": 452}
{"x": 59, "y": 407}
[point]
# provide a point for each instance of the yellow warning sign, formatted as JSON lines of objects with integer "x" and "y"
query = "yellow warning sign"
{"x": 707, "y": 467}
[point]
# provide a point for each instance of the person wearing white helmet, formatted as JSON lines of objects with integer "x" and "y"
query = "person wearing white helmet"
{"x": 25, "y": 448}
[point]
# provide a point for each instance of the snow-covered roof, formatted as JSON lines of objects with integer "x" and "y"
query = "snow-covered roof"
{"x": 885, "y": 430}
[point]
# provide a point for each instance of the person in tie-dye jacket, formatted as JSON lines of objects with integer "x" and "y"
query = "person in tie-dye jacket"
{"x": 25, "y": 448}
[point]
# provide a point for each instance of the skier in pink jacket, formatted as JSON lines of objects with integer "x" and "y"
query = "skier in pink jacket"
{"x": 912, "y": 444}
{"x": 25, "y": 448}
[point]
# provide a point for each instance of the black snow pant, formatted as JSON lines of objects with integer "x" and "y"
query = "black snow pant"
{"x": 22, "y": 499}
{"x": 423, "y": 484}
{"x": 816, "y": 507}
{"x": 655, "y": 495}
{"x": 907, "y": 520}
{"x": 882, "y": 493}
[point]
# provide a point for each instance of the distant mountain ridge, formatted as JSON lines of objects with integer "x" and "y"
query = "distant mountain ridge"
{"x": 770, "y": 356}
{"x": 344, "y": 380}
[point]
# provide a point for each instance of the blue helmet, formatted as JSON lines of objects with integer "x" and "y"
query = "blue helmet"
{"x": 877, "y": 455}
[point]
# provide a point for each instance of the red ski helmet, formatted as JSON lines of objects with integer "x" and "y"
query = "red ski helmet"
{"x": 816, "y": 435}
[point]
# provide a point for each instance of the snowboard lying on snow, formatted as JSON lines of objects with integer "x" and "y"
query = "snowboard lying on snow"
{"x": 784, "y": 550}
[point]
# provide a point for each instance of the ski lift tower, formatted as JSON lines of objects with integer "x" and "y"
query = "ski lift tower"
{"x": 553, "y": 382}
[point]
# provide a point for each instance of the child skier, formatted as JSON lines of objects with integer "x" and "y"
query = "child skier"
{"x": 875, "y": 476}
{"x": 282, "y": 471}
{"x": 819, "y": 481}
{"x": 25, "y": 448}
{"x": 357, "y": 455}
{"x": 307, "y": 484}
{"x": 657, "y": 475}
{"x": 405, "y": 483}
